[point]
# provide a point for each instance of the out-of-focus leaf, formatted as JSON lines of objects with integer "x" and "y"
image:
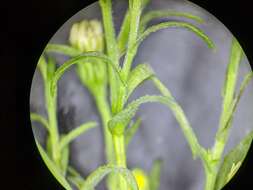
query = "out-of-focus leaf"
{"x": 53, "y": 168}
{"x": 233, "y": 161}
{"x": 155, "y": 175}
{"x": 75, "y": 133}
{"x": 63, "y": 49}
{"x": 130, "y": 132}
{"x": 96, "y": 176}
{"x": 64, "y": 159}
{"x": 74, "y": 177}
{"x": 39, "y": 118}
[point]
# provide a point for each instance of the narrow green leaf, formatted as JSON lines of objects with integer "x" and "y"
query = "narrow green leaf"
{"x": 185, "y": 25}
{"x": 149, "y": 16}
{"x": 42, "y": 65}
{"x": 130, "y": 132}
{"x": 53, "y": 168}
{"x": 233, "y": 161}
{"x": 135, "y": 10}
{"x": 75, "y": 133}
{"x": 179, "y": 114}
{"x": 236, "y": 100}
{"x": 40, "y": 119}
{"x": 64, "y": 159}
{"x": 124, "y": 32}
{"x": 62, "y": 49}
{"x": 83, "y": 59}
{"x": 49, "y": 146}
{"x": 155, "y": 175}
{"x": 144, "y": 3}
{"x": 125, "y": 28}
{"x": 74, "y": 177}
{"x": 126, "y": 114}
{"x": 118, "y": 123}
{"x": 138, "y": 75}
{"x": 51, "y": 67}
{"x": 236, "y": 54}
{"x": 161, "y": 87}
{"x": 96, "y": 176}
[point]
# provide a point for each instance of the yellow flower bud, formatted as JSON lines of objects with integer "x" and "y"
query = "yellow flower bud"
{"x": 87, "y": 36}
{"x": 141, "y": 179}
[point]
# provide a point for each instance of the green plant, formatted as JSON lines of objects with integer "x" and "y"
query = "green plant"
{"x": 99, "y": 68}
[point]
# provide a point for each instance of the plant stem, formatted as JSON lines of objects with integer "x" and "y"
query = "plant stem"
{"x": 111, "y": 45}
{"x": 210, "y": 180}
{"x": 119, "y": 147}
{"x": 104, "y": 111}
{"x": 52, "y": 120}
{"x": 120, "y": 154}
{"x": 135, "y": 13}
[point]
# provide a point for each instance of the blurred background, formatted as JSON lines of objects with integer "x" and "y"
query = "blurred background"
{"x": 192, "y": 72}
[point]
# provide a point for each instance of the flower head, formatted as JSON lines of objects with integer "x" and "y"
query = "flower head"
{"x": 87, "y": 36}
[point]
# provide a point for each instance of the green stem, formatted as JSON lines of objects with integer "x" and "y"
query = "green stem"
{"x": 120, "y": 155}
{"x": 104, "y": 111}
{"x": 135, "y": 14}
{"x": 119, "y": 147}
{"x": 111, "y": 45}
{"x": 210, "y": 180}
{"x": 51, "y": 105}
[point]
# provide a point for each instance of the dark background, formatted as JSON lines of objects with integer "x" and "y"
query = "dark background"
{"x": 30, "y": 25}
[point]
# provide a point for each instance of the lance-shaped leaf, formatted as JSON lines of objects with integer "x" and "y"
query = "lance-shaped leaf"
{"x": 130, "y": 132}
{"x": 233, "y": 161}
{"x": 97, "y": 176}
{"x": 42, "y": 65}
{"x": 118, "y": 123}
{"x": 149, "y": 16}
{"x": 74, "y": 177}
{"x": 125, "y": 28}
{"x": 40, "y": 119}
{"x": 53, "y": 168}
{"x": 179, "y": 114}
{"x": 235, "y": 102}
{"x": 231, "y": 78}
{"x": 82, "y": 59}
{"x": 62, "y": 49}
{"x": 124, "y": 32}
{"x": 64, "y": 159}
{"x": 185, "y": 25}
{"x": 155, "y": 175}
{"x": 75, "y": 133}
{"x": 137, "y": 76}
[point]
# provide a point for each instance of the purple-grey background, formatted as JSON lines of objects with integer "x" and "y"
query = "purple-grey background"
{"x": 192, "y": 72}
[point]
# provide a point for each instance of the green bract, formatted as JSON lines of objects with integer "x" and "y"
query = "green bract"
{"x": 97, "y": 52}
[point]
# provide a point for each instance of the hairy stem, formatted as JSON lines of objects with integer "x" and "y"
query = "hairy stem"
{"x": 120, "y": 154}
{"x": 52, "y": 120}
{"x": 105, "y": 114}
{"x": 135, "y": 13}
{"x": 111, "y": 45}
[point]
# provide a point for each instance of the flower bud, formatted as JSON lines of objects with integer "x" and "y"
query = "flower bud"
{"x": 141, "y": 179}
{"x": 87, "y": 36}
